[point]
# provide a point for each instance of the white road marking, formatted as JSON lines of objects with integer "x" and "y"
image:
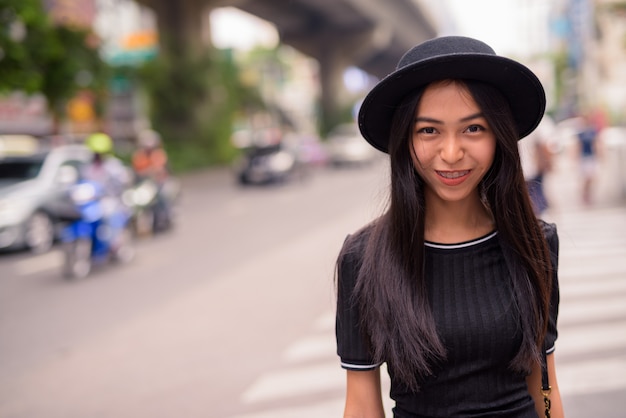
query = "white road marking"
{"x": 326, "y": 322}
{"x": 604, "y": 286}
{"x": 313, "y": 347}
{"x": 295, "y": 381}
{"x": 607, "y": 307}
{"x": 593, "y": 376}
{"x": 592, "y": 338}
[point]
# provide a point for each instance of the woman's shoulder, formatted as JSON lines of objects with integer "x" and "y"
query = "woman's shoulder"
{"x": 356, "y": 241}
{"x": 350, "y": 258}
{"x": 549, "y": 229}
{"x": 552, "y": 238}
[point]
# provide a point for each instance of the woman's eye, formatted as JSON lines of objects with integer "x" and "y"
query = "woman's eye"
{"x": 475, "y": 128}
{"x": 426, "y": 130}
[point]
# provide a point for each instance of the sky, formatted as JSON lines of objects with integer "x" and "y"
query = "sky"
{"x": 510, "y": 27}
{"x": 232, "y": 28}
{"x": 491, "y": 21}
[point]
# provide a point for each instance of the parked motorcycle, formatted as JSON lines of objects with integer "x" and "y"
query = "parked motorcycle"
{"x": 99, "y": 233}
{"x": 269, "y": 164}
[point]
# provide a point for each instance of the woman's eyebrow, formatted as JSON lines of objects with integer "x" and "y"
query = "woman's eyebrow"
{"x": 474, "y": 116}
{"x": 425, "y": 119}
{"x": 432, "y": 120}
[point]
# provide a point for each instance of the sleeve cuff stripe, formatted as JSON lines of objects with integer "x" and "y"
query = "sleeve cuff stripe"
{"x": 350, "y": 366}
{"x": 550, "y": 350}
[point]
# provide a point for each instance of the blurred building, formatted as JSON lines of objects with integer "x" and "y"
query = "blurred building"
{"x": 77, "y": 13}
{"x": 610, "y": 56}
{"x": 129, "y": 38}
{"x": 593, "y": 36}
{"x": 21, "y": 113}
{"x": 128, "y": 32}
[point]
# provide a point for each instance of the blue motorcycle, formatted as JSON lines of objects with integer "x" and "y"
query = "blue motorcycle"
{"x": 99, "y": 233}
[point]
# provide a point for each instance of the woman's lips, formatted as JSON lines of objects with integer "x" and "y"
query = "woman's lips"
{"x": 453, "y": 178}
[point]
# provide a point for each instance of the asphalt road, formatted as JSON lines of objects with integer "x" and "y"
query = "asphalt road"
{"x": 187, "y": 326}
{"x": 231, "y": 314}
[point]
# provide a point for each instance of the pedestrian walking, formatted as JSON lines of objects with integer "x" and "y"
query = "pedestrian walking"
{"x": 455, "y": 285}
{"x": 588, "y": 157}
{"x": 537, "y": 161}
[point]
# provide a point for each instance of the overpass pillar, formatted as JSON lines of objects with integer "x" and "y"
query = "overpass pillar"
{"x": 182, "y": 24}
{"x": 332, "y": 88}
{"x": 336, "y": 52}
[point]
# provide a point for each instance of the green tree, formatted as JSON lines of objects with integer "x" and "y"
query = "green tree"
{"x": 38, "y": 56}
{"x": 192, "y": 102}
{"x": 25, "y": 38}
{"x": 72, "y": 64}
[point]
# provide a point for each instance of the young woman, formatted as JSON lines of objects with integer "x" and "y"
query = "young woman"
{"x": 455, "y": 286}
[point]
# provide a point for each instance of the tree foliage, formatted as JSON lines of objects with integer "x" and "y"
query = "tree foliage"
{"x": 193, "y": 101}
{"x": 24, "y": 42}
{"x": 39, "y": 56}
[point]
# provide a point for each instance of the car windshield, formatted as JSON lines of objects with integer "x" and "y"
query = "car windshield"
{"x": 20, "y": 170}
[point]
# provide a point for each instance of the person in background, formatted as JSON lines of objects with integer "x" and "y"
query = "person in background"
{"x": 106, "y": 169}
{"x": 150, "y": 159}
{"x": 537, "y": 162}
{"x": 112, "y": 175}
{"x": 455, "y": 285}
{"x": 588, "y": 151}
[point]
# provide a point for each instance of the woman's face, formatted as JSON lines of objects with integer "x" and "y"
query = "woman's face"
{"x": 453, "y": 146}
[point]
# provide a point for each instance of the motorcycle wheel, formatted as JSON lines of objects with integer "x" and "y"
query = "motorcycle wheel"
{"x": 77, "y": 259}
{"x": 163, "y": 219}
{"x": 39, "y": 233}
{"x": 144, "y": 222}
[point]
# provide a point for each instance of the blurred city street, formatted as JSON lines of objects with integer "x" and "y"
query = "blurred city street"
{"x": 253, "y": 106}
{"x": 231, "y": 315}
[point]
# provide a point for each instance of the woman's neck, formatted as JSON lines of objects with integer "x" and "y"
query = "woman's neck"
{"x": 453, "y": 222}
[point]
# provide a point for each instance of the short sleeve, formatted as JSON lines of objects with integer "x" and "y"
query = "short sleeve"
{"x": 553, "y": 244}
{"x": 352, "y": 343}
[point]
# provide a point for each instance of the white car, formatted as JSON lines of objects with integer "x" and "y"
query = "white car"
{"x": 345, "y": 146}
{"x": 33, "y": 186}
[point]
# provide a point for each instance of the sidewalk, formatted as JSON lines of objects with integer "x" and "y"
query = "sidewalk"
{"x": 591, "y": 350}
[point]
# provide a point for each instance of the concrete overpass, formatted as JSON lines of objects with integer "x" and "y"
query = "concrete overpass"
{"x": 369, "y": 34}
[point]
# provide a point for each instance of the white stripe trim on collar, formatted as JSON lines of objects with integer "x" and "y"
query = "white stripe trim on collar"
{"x": 461, "y": 245}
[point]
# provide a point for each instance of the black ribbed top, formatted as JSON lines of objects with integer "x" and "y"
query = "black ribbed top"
{"x": 474, "y": 310}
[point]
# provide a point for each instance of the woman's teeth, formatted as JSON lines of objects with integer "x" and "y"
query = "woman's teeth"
{"x": 453, "y": 174}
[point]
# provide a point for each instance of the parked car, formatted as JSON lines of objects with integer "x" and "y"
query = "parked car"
{"x": 346, "y": 146}
{"x": 309, "y": 149}
{"x": 33, "y": 186}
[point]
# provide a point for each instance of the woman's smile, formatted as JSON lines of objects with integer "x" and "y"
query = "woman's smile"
{"x": 453, "y": 178}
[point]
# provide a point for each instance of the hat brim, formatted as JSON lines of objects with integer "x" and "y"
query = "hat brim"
{"x": 518, "y": 84}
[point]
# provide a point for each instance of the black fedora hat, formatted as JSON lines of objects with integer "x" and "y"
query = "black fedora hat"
{"x": 450, "y": 57}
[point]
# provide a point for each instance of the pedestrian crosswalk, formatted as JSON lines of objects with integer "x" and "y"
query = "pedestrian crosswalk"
{"x": 310, "y": 372}
{"x": 591, "y": 349}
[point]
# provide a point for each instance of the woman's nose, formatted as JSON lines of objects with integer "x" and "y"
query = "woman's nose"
{"x": 451, "y": 149}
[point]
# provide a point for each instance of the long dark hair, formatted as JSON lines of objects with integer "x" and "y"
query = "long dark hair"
{"x": 391, "y": 289}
